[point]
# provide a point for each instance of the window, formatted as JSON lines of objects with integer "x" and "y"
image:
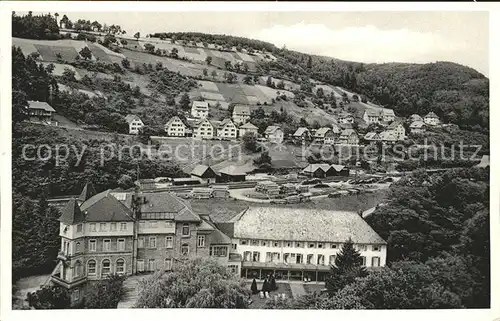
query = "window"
{"x": 255, "y": 242}
{"x": 276, "y": 244}
{"x": 102, "y": 227}
{"x": 78, "y": 249}
{"x": 123, "y": 226}
{"x": 153, "y": 224}
{"x": 233, "y": 246}
{"x": 142, "y": 224}
{"x": 121, "y": 244}
{"x": 76, "y": 295}
{"x": 78, "y": 269}
{"x": 152, "y": 242}
{"x": 362, "y": 247}
{"x": 264, "y": 243}
{"x": 201, "y": 241}
{"x": 320, "y": 245}
{"x": 120, "y": 266}
{"x": 140, "y": 243}
{"x": 269, "y": 257}
{"x": 375, "y": 261}
{"x": 92, "y": 245}
{"x": 243, "y": 242}
{"x": 233, "y": 268}
{"x": 185, "y": 229}
{"x": 375, "y": 248}
{"x": 310, "y": 258}
{"x": 255, "y": 256}
{"x": 140, "y": 265}
{"x": 168, "y": 264}
{"x": 185, "y": 249}
{"x": 299, "y": 259}
{"x": 288, "y": 244}
{"x": 151, "y": 265}
{"x": 113, "y": 227}
{"x": 363, "y": 260}
{"x": 107, "y": 245}
{"x": 92, "y": 227}
{"x": 332, "y": 259}
{"x": 169, "y": 242}
{"x": 79, "y": 228}
{"x": 333, "y": 246}
{"x": 312, "y": 245}
{"x": 106, "y": 267}
{"x": 320, "y": 260}
{"x": 299, "y": 244}
{"x": 91, "y": 267}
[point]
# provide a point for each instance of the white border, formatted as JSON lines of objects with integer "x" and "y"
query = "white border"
{"x": 132, "y": 314}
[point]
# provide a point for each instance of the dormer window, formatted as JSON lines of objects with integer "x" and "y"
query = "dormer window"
{"x": 185, "y": 229}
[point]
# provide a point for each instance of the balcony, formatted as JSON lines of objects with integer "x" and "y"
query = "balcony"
{"x": 288, "y": 266}
{"x": 56, "y": 278}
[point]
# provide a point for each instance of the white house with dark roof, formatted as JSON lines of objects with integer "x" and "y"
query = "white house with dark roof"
{"x": 302, "y": 133}
{"x": 241, "y": 114}
{"x": 199, "y": 109}
{"x": 205, "y": 129}
{"x": 227, "y": 129}
{"x": 372, "y": 116}
{"x": 40, "y": 111}
{"x": 414, "y": 118}
{"x": 397, "y": 129}
{"x": 298, "y": 243}
{"x": 324, "y": 135}
{"x": 134, "y": 124}
{"x": 346, "y": 118}
{"x": 175, "y": 127}
{"x": 417, "y": 127}
{"x": 248, "y": 128}
{"x": 274, "y": 134}
{"x": 348, "y": 137}
{"x": 431, "y": 119}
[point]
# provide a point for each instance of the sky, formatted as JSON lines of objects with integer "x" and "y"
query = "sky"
{"x": 379, "y": 37}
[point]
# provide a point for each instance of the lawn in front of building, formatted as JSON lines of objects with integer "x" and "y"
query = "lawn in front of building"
{"x": 259, "y": 303}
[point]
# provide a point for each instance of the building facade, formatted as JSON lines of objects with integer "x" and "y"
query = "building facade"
{"x": 274, "y": 134}
{"x": 241, "y": 114}
{"x": 431, "y": 119}
{"x": 227, "y": 130}
{"x": 199, "y": 109}
{"x": 134, "y": 124}
{"x": 248, "y": 128}
{"x": 175, "y": 127}
{"x": 205, "y": 129}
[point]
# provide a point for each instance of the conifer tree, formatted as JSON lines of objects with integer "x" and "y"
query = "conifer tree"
{"x": 265, "y": 286}
{"x": 348, "y": 266}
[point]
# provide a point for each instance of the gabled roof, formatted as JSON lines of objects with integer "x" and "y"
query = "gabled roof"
{"x": 337, "y": 167}
{"x": 104, "y": 207}
{"x": 347, "y": 132}
{"x": 394, "y": 125}
{"x": 387, "y": 135}
{"x": 271, "y": 129}
{"x": 322, "y": 132}
{"x": 87, "y": 192}
{"x": 165, "y": 202}
{"x": 417, "y": 124}
{"x": 415, "y": 117}
{"x": 371, "y": 136}
{"x": 312, "y": 168}
{"x": 248, "y": 126}
{"x": 202, "y": 105}
{"x": 200, "y": 170}
{"x": 225, "y": 122}
{"x": 33, "y": 104}
{"x": 241, "y": 110}
{"x": 372, "y": 112}
{"x": 130, "y": 118}
{"x": 171, "y": 120}
{"x": 300, "y": 131}
{"x": 300, "y": 224}
{"x": 71, "y": 213}
{"x": 387, "y": 112}
{"x": 431, "y": 115}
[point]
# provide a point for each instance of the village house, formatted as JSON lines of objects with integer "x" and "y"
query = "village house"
{"x": 274, "y": 134}
{"x": 227, "y": 130}
{"x": 398, "y": 129}
{"x": 371, "y": 137}
{"x": 388, "y": 137}
{"x": 431, "y": 119}
{"x": 104, "y": 236}
{"x": 324, "y": 135}
{"x": 302, "y": 134}
{"x": 295, "y": 244}
{"x": 204, "y": 173}
{"x": 417, "y": 127}
{"x": 232, "y": 173}
{"x": 205, "y": 129}
{"x": 346, "y": 118}
{"x": 40, "y": 111}
{"x": 384, "y": 116}
{"x": 134, "y": 124}
{"x": 348, "y": 137}
{"x": 199, "y": 109}
{"x": 175, "y": 127}
{"x": 317, "y": 170}
{"x": 241, "y": 114}
{"x": 414, "y": 118}
{"x": 248, "y": 128}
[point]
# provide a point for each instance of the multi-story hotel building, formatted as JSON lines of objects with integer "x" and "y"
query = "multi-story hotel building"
{"x": 134, "y": 232}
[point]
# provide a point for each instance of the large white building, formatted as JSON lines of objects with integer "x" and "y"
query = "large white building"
{"x": 297, "y": 243}
{"x": 199, "y": 109}
{"x": 176, "y": 127}
{"x": 241, "y": 114}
